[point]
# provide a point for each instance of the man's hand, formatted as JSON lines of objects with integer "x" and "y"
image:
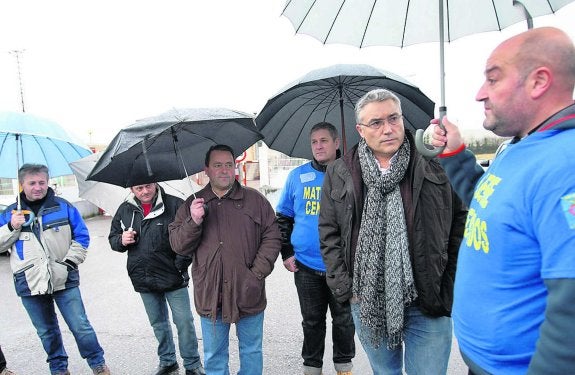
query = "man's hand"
{"x": 197, "y": 210}
{"x": 17, "y": 219}
{"x": 129, "y": 237}
{"x": 289, "y": 264}
{"x": 452, "y": 140}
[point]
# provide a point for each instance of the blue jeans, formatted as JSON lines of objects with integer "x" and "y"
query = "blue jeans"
{"x": 314, "y": 299}
{"x": 156, "y": 305}
{"x": 249, "y": 330}
{"x": 427, "y": 342}
{"x": 43, "y": 315}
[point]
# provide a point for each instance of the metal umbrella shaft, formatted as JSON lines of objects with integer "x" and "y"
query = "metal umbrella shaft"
{"x": 343, "y": 137}
{"x": 424, "y": 150}
{"x": 430, "y": 153}
{"x": 18, "y": 198}
{"x": 179, "y": 156}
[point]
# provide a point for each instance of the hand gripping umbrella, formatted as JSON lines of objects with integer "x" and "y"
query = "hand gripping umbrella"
{"x": 402, "y": 23}
{"x": 330, "y": 94}
{"x": 25, "y": 138}
{"x": 172, "y": 145}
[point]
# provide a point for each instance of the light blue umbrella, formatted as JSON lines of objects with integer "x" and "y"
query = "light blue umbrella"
{"x": 25, "y": 138}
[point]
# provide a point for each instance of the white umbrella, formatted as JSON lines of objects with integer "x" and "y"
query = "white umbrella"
{"x": 405, "y": 22}
{"x": 109, "y": 197}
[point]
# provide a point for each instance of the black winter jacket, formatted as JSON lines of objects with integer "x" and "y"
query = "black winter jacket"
{"x": 152, "y": 264}
{"x": 435, "y": 218}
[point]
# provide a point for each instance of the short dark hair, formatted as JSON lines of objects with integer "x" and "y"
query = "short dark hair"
{"x": 27, "y": 169}
{"x": 327, "y": 126}
{"x": 219, "y": 147}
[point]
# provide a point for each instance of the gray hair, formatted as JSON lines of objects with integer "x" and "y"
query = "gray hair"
{"x": 27, "y": 169}
{"x": 376, "y": 95}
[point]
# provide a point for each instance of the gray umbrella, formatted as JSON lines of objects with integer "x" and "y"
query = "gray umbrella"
{"x": 171, "y": 146}
{"x": 330, "y": 94}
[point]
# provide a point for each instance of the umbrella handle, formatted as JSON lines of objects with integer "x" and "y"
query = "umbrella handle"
{"x": 26, "y": 212}
{"x": 429, "y": 152}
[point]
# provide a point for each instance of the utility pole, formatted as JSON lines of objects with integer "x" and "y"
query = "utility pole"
{"x": 17, "y": 54}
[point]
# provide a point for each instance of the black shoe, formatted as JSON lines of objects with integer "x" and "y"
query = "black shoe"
{"x": 164, "y": 370}
{"x": 196, "y": 371}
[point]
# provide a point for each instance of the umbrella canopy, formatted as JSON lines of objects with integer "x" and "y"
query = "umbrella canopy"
{"x": 172, "y": 145}
{"x": 25, "y": 138}
{"x": 330, "y": 94}
{"x": 109, "y": 197}
{"x": 406, "y": 22}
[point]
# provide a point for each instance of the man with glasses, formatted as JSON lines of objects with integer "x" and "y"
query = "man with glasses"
{"x": 390, "y": 227}
{"x": 140, "y": 228}
{"x": 231, "y": 233}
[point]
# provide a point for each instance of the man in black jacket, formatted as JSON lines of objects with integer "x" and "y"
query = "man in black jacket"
{"x": 140, "y": 227}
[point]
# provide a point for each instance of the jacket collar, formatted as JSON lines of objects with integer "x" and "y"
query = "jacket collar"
{"x": 48, "y": 201}
{"x": 158, "y": 207}
{"x": 560, "y": 120}
{"x": 236, "y": 192}
{"x": 322, "y": 167}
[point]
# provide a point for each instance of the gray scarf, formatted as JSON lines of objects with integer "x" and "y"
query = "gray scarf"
{"x": 383, "y": 278}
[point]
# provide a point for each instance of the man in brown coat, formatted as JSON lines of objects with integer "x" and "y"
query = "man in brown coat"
{"x": 231, "y": 232}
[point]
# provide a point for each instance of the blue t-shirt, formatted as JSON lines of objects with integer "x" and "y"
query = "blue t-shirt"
{"x": 520, "y": 230}
{"x": 300, "y": 200}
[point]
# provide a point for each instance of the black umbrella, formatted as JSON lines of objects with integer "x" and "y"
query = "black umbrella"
{"x": 330, "y": 94}
{"x": 172, "y": 146}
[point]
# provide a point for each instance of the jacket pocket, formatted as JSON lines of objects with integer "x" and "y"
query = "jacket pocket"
{"x": 251, "y": 291}
{"x": 340, "y": 286}
{"x": 337, "y": 194}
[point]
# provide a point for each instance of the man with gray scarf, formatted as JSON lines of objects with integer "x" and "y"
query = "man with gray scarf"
{"x": 390, "y": 227}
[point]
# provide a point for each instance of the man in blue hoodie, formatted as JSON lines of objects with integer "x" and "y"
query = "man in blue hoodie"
{"x": 515, "y": 285}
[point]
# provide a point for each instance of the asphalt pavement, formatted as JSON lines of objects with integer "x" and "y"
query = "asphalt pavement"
{"x": 118, "y": 316}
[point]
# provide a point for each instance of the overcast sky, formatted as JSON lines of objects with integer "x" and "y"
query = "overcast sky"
{"x": 97, "y": 66}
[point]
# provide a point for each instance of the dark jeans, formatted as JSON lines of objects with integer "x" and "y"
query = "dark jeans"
{"x": 314, "y": 299}
{"x": 42, "y": 312}
{"x": 2, "y": 360}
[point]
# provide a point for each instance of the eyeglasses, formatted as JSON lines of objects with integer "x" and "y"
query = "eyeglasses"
{"x": 392, "y": 120}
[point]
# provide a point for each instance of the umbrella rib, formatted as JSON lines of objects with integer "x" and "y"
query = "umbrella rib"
{"x": 367, "y": 24}
{"x": 304, "y": 18}
{"x": 329, "y": 98}
{"x": 448, "y": 20}
{"x": 405, "y": 22}
{"x": 496, "y": 16}
{"x": 334, "y": 21}
{"x": 324, "y": 94}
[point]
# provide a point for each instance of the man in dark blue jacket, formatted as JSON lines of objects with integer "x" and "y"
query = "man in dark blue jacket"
{"x": 140, "y": 227}
{"x": 48, "y": 240}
